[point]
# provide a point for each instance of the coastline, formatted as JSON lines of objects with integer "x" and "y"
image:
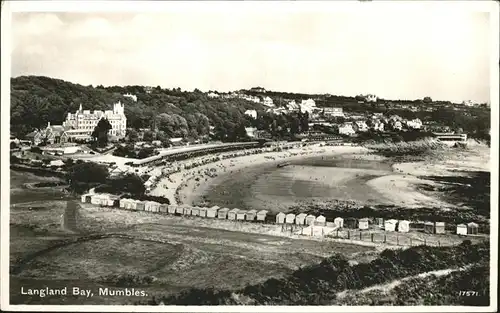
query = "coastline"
{"x": 400, "y": 185}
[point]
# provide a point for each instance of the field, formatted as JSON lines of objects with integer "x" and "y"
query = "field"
{"x": 158, "y": 254}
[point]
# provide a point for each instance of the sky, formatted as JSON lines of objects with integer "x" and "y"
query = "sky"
{"x": 394, "y": 56}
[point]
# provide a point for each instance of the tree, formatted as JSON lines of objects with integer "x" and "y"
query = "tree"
{"x": 87, "y": 173}
{"x": 100, "y": 133}
{"x": 130, "y": 183}
{"x": 427, "y": 100}
{"x": 149, "y": 136}
{"x": 133, "y": 135}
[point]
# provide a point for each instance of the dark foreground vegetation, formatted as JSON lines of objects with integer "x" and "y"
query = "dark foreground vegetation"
{"x": 431, "y": 290}
{"x": 319, "y": 284}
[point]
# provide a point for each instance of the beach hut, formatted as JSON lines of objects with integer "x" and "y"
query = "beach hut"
{"x": 290, "y": 218}
{"x": 462, "y": 229}
{"x": 180, "y": 209}
{"x": 363, "y": 224}
{"x": 155, "y": 206}
{"x": 251, "y": 215}
{"x": 203, "y": 212}
{"x": 310, "y": 219}
{"x": 429, "y": 228}
{"x": 139, "y": 206}
{"x": 320, "y": 221}
{"x": 301, "y": 219}
{"x": 163, "y": 208}
{"x": 351, "y": 222}
{"x": 380, "y": 222}
{"x": 472, "y": 228}
{"x": 187, "y": 210}
{"x": 403, "y": 226}
{"x": 222, "y": 213}
{"x": 131, "y": 204}
{"x": 172, "y": 209}
{"x": 147, "y": 206}
{"x": 390, "y": 225}
{"x": 439, "y": 228}
{"x": 122, "y": 202}
{"x": 261, "y": 215}
{"x": 213, "y": 211}
{"x": 240, "y": 216}
{"x": 231, "y": 215}
{"x": 339, "y": 222}
{"x": 195, "y": 211}
{"x": 280, "y": 218}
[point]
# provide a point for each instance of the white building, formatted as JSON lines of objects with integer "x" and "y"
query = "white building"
{"x": 360, "y": 126}
{"x": 308, "y": 106}
{"x": 131, "y": 96}
{"x": 83, "y": 122}
{"x": 414, "y": 123}
{"x": 346, "y": 129}
{"x": 333, "y": 112}
{"x": 468, "y": 103}
{"x": 268, "y": 102}
{"x": 251, "y": 113}
{"x": 371, "y": 98}
{"x": 213, "y": 95}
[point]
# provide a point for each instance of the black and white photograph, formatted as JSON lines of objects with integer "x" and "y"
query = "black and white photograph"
{"x": 249, "y": 156}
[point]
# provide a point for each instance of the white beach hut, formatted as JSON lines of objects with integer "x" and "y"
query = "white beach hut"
{"x": 390, "y": 225}
{"x": 363, "y": 224}
{"x": 280, "y": 218}
{"x": 310, "y": 219}
{"x": 251, "y": 215}
{"x": 300, "y": 219}
{"x": 403, "y": 226}
{"x": 172, "y": 209}
{"x": 240, "y": 216}
{"x": 213, "y": 211}
{"x": 231, "y": 215}
{"x": 320, "y": 221}
{"x": 203, "y": 212}
{"x": 195, "y": 211}
{"x": 261, "y": 215}
{"x": 339, "y": 222}
{"x": 462, "y": 229}
{"x": 290, "y": 218}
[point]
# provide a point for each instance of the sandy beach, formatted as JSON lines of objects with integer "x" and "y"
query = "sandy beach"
{"x": 255, "y": 182}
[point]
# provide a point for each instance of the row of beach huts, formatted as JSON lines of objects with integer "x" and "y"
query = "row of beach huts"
{"x": 391, "y": 225}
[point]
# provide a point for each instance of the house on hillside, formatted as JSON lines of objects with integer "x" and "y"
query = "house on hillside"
{"x": 472, "y": 228}
{"x": 415, "y": 123}
{"x": 347, "y": 129}
{"x": 390, "y": 225}
{"x": 251, "y": 113}
{"x": 268, "y": 102}
{"x": 360, "y": 126}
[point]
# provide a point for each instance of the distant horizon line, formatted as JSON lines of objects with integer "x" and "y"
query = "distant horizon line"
{"x": 248, "y": 89}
